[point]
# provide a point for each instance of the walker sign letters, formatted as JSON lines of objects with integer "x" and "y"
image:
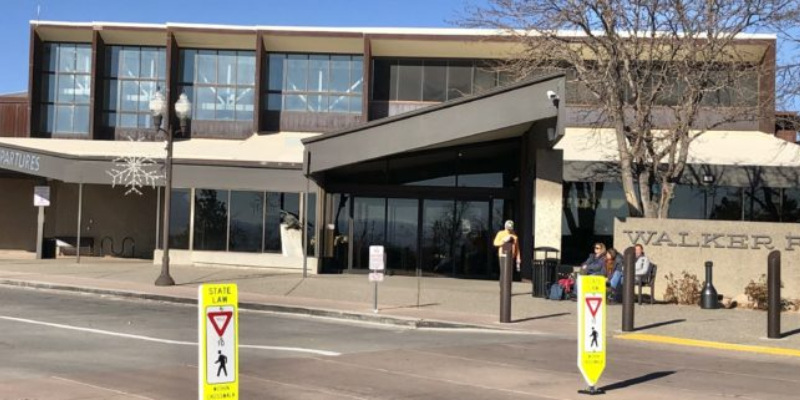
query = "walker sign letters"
{"x": 219, "y": 342}
{"x": 591, "y": 327}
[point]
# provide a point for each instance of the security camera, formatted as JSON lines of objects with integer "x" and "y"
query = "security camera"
{"x": 552, "y": 95}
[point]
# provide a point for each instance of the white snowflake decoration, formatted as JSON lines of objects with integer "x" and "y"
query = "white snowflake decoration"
{"x": 135, "y": 172}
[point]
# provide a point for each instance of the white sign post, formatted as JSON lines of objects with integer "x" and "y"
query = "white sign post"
{"x": 377, "y": 264}
{"x": 41, "y": 199}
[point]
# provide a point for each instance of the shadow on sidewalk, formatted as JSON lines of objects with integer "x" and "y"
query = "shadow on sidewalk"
{"x": 657, "y": 324}
{"x": 541, "y": 317}
{"x": 784, "y": 335}
{"x": 635, "y": 381}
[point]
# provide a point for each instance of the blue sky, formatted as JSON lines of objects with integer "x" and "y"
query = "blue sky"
{"x": 14, "y": 20}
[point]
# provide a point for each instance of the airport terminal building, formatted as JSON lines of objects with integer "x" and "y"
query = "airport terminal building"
{"x": 307, "y": 145}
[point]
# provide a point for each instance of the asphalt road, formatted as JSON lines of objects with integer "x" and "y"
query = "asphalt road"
{"x": 69, "y": 346}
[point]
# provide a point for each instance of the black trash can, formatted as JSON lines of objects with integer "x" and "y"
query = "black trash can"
{"x": 48, "y": 248}
{"x": 544, "y": 270}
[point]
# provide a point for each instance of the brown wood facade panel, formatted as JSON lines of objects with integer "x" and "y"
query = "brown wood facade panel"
{"x": 98, "y": 66}
{"x": 259, "y": 89}
{"x": 308, "y": 121}
{"x": 34, "y": 85}
{"x": 14, "y": 118}
{"x": 220, "y": 129}
{"x": 366, "y": 85}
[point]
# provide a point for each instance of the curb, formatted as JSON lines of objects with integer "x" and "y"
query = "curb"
{"x": 276, "y": 308}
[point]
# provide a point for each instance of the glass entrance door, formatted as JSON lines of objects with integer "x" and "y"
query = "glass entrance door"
{"x": 455, "y": 238}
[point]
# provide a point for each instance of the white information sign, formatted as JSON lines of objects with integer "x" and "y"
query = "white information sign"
{"x": 377, "y": 258}
{"x": 41, "y": 196}
{"x": 376, "y": 276}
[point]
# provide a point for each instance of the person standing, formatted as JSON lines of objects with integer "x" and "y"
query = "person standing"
{"x": 508, "y": 237}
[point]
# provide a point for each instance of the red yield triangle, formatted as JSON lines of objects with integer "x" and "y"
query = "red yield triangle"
{"x": 224, "y": 316}
{"x": 594, "y": 304}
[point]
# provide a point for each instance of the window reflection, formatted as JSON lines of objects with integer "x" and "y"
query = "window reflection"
{"x": 314, "y": 83}
{"x": 247, "y": 221}
{"x": 66, "y": 89}
{"x": 725, "y": 203}
{"x": 688, "y": 202}
{"x": 369, "y": 227}
{"x": 223, "y": 82}
{"x": 180, "y": 204}
{"x": 790, "y": 207}
{"x": 762, "y": 204}
{"x": 210, "y": 219}
{"x": 132, "y": 76}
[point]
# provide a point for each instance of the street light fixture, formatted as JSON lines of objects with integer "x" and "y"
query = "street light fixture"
{"x": 183, "y": 109}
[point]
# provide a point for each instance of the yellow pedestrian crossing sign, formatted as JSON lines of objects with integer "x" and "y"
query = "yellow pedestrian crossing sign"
{"x": 591, "y": 328}
{"x": 218, "y": 344}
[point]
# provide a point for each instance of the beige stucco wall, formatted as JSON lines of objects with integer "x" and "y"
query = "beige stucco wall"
{"x": 107, "y": 212}
{"x": 17, "y": 214}
{"x": 738, "y": 250}
{"x": 548, "y": 199}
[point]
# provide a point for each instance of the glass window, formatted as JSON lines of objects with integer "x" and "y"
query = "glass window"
{"x": 282, "y": 209}
{"x": 409, "y": 86}
{"x": 210, "y": 219}
{"x": 318, "y": 73}
{"x": 275, "y": 67}
{"x": 459, "y": 79}
{"x": 762, "y": 204}
{"x": 687, "y": 202}
{"x": 247, "y": 221}
{"x": 492, "y": 166}
{"x": 485, "y": 78}
{"x": 311, "y": 223}
{"x": 611, "y": 203}
{"x": 272, "y": 227}
{"x": 180, "y": 203}
{"x": 434, "y": 86}
{"x": 223, "y": 85}
{"x": 427, "y": 169}
{"x": 297, "y": 73}
{"x": 132, "y": 76}
{"x": 314, "y": 82}
{"x": 369, "y": 226}
{"x": 790, "y": 205}
{"x": 384, "y": 85}
{"x": 725, "y": 203}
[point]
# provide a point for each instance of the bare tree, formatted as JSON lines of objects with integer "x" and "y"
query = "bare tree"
{"x": 647, "y": 70}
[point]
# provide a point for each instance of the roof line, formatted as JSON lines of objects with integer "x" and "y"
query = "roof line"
{"x": 443, "y": 31}
{"x": 435, "y": 108}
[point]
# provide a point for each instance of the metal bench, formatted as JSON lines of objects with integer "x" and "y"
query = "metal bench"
{"x": 648, "y": 279}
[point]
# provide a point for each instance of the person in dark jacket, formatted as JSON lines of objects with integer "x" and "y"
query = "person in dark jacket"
{"x": 614, "y": 265}
{"x": 596, "y": 263}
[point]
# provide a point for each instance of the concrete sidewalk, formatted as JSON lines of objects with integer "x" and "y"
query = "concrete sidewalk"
{"x": 425, "y": 302}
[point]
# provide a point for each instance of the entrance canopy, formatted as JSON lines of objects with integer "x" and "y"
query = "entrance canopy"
{"x": 271, "y": 162}
{"x": 502, "y": 113}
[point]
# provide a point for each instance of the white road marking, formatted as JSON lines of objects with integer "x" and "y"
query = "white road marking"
{"x": 101, "y": 388}
{"x": 163, "y": 341}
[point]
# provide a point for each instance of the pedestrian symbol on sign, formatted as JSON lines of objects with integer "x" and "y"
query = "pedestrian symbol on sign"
{"x": 221, "y": 360}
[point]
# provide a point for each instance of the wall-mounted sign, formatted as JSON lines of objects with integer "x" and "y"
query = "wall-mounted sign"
{"x": 716, "y": 240}
{"x": 19, "y": 160}
{"x": 41, "y": 196}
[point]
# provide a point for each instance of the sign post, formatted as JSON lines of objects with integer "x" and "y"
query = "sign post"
{"x": 377, "y": 264}
{"x": 41, "y": 199}
{"x": 218, "y": 345}
{"x": 591, "y": 330}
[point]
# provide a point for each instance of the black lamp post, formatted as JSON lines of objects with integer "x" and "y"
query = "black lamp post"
{"x": 183, "y": 109}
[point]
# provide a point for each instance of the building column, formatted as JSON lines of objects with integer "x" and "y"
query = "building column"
{"x": 549, "y": 207}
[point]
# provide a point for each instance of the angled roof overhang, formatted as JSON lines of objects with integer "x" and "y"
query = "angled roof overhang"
{"x": 506, "y": 112}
